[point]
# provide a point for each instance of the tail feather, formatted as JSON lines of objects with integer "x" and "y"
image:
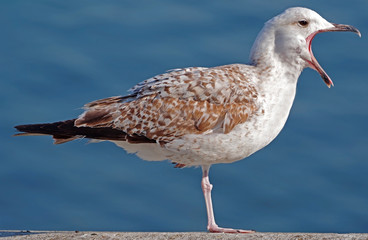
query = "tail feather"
{"x": 65, "y": 131}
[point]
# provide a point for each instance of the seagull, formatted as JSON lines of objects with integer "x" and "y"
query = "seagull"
{"x": 200, "y": 116}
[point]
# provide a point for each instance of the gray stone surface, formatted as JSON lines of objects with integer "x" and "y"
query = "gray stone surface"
{"x": 173, "y": 235}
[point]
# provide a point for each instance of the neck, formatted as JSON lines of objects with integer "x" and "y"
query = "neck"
{"x": 274, "y": 62}
{"x": 263, "y": 48}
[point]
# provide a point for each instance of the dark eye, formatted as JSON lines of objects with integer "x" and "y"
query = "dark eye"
{"x": 303, "y": 23}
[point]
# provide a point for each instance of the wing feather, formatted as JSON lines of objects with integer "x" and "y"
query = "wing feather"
{"x": 179, "y": 102}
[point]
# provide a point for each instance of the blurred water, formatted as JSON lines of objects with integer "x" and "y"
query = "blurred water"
{"x": 57, "y": 55}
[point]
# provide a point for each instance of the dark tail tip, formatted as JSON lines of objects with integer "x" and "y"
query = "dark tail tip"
{"x": 28, "y": 128}
{"x": 65, "y": 131}
{"x": 47, "y": 128}
{"x": 60, "y": 131}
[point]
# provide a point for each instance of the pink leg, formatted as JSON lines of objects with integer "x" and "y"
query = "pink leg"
{"x": 212, "y": 226}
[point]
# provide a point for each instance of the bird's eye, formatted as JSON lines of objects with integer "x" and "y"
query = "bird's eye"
{"x": 303, "y": 23}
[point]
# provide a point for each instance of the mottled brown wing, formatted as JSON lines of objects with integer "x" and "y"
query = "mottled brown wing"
{"x": 194, "y": 101}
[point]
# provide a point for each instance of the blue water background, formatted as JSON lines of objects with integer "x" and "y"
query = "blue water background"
{"x": 57, "y": 55}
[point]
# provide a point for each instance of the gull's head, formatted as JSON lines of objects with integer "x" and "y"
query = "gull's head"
{"x": 288, "y": 37}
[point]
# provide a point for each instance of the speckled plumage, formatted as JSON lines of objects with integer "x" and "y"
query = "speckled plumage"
{"x": 202, "y": 116}
{"x": 179, "y": 103}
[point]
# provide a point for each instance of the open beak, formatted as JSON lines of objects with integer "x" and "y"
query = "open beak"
{"x": 313, "y": 62}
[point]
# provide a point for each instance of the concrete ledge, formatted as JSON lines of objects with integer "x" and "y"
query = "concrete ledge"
{"x": 174, "y": 235}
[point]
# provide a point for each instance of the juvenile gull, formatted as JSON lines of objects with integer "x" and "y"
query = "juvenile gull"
{"x": 202, "y": 116}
